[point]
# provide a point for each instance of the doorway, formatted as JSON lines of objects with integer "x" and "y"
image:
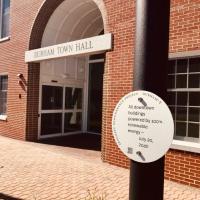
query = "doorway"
{"x": 95, "y": 94}
{"x": 71, "y": 97}
{"x": 61, "y": 110}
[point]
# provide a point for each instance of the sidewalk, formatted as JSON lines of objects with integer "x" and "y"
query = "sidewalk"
{"x": 32, "y": 171}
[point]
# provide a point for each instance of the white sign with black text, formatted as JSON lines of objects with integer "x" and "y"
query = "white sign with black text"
{"x": 95, "y": 44}
{"x": 143, "y": 126}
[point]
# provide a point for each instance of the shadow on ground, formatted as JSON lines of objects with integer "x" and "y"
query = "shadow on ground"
{"x": 80, "y": 141}
{"x": 6, "y": 197}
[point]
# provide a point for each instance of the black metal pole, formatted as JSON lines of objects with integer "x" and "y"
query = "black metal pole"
{"x": 150, "y": 73}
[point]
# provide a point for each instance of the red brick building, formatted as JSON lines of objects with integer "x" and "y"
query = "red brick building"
{"x": 62, "y": 95}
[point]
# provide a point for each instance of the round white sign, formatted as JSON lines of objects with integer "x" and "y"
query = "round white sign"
{"x": 143, "y": 126}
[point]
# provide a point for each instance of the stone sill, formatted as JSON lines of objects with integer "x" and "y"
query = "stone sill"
{"x": 4, "y": 39}
{"x": 186, "y": 146}
{"x": 3, "y": 117}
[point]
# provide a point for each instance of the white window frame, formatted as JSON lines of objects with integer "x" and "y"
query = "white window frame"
{"x": 180, "y": 144}
{"x": 1, "y": 22}
{"x": 3, "y": 117}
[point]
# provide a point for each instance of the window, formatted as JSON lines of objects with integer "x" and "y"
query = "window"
{"x": 3, "y": 94}
{"x": 184, "y": 97}
{"x": 4, "y": 18}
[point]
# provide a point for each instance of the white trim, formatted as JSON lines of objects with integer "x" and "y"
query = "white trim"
{"x": 51, "y": 111}
{"x": 50, "y": 136}
{"x": 184, "y": 90}
{"x": 95, "y": 44}
{"x": 93, "y": 133}
{"x": 96, "y": 61}
{"x": 3, "y": 117}
{"x": 86, "y": 85}
{"x": 4, "y": 39}
{"x": 185, "y": 146}
{"x": 59, "y": 135}
{"x": 4, "y": 74}
{"x": 102, "y": 60}
{"x": 185, "y": 54}
{"x": 1, "y": 16}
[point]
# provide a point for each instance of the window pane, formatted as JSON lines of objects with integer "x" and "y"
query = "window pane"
{"x": 3, "y": 82}
{"x": 193, "y": 130}
{"x": 5, "y": 18}
{"x": 194, "y": 80}
{"x": 181, "y": 81}
{"x": 183, "y": 103}
{"x": 171, "y": 81}
{"x": 194, "y": 114}
{"x": 73, "y": 122}
{"x": 180, "y": 129}
{"x": 181, "y": 114}
{"x": 194, "y": 99}
{"x": 182, "y": 98}
{"x": 172, "y": 109}
{"x": 171, "y": 66}
{"x": 171, "y": 98}
{"x": 194, "y": 65}
{"x": 52, "y": 97}
{"x": 182, "y": 66}
{"x": 51, "y": 123}
{"x": 3, "y": 102}
{"x": 73, "y": 98}
{"x": 3, "y": 94}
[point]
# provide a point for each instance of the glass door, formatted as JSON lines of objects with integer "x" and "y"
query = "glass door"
{"x": 61, "y": 110}
{"x": 73, "y": 109}
{"x": 51, "y": 110}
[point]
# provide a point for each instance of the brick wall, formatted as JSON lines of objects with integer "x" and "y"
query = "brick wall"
{"x": 26, "y": 33}
{"x": 12, "y": 62}
{"x": 185, "y": 25}
{"x": 118, "y": 72}
{"x": 184, "y": 167}
{"x": 181, "y": 166}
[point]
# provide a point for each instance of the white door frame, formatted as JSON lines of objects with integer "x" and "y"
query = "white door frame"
{"x": 102, "y": 60}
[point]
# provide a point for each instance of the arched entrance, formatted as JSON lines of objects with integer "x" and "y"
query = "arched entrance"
{"x": 70, "y": 88}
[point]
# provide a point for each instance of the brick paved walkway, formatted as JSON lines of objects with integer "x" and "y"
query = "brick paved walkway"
{"x": 31, "y": 171}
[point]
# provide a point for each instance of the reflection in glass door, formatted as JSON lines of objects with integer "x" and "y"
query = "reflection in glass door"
{"x": 73, "y": 109}
{"x": 60, "y": 115}
{"x": 51, "y": 115}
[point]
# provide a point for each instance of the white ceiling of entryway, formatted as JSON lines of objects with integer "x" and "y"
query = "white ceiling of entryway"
{"x": 73, "y": 20}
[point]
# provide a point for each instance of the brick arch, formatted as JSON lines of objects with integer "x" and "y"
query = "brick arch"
{"x": 35, "y": 39}
{"x": 45, "y": 12}
{"x": 40, "y": 22}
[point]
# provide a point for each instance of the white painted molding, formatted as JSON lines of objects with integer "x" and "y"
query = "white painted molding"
{"x": 186, "y": 146}
{"x": 3, "y": 117}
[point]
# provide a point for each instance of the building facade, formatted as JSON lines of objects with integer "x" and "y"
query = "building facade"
{"x": 51, "y": 86}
